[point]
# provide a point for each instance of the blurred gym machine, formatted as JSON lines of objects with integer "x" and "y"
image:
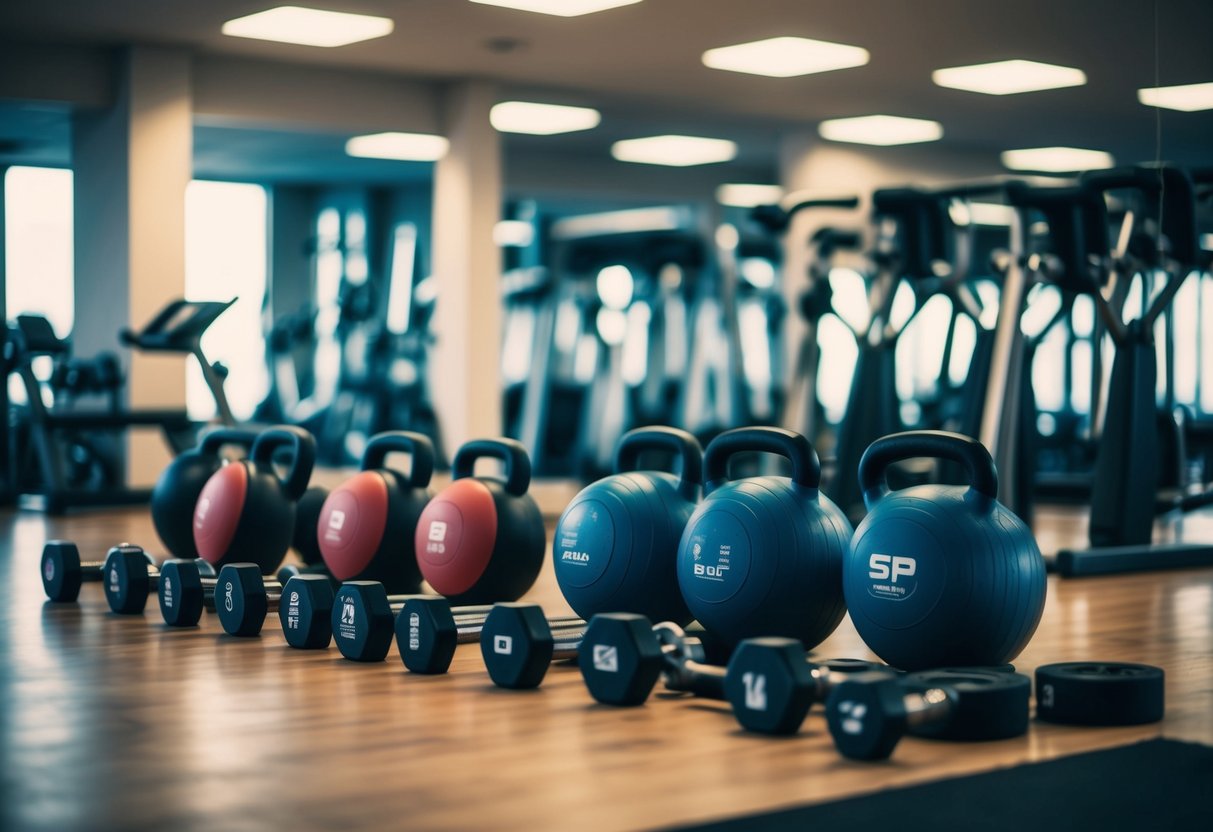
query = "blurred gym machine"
{"x": 1155, "y": 251}
{"x": 65, "y": 450}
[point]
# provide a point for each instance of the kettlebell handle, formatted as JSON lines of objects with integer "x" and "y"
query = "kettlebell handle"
{"x": 510, "y": 451}
{"x": 303, "y": 456}
{"x": 806, "y": 467}
{"x": 681, "y": 444}
{"x": 938, "y": 444}
{"x": 215, "y": 439}
{"x": 417, "y": 445}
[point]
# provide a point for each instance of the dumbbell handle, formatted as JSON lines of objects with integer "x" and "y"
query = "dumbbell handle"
{"x": 929, "y": 707}
{"x": 397, "y": 603}
{"x": 566, "y": 633}
{"x": 689, "y": 676}
{"x": 272, "y": 598}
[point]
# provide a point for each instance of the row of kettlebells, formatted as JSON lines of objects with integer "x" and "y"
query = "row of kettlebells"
{"x": 479, "y": 540}
{"x": 934, "y": 576}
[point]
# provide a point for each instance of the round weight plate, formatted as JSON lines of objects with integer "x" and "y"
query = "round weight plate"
{"x": 1099, "y": 693}
{"x": 990, "y": 706}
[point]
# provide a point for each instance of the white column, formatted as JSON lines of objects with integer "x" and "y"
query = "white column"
{"x": 132, "y": 164}
{"x": 466, "y": 370}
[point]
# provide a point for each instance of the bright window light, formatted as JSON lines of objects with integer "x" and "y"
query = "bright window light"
{"x": 676, "y": 151}
{"x": 542, "y": 119}
{"x": 1056, "y": 159}
{"x": 990, "y": 213}
{"x": 1186, "y": 97}
{"x": 38, "y": 245}
{"x": 513, "y": 234}
{"x": 226, "y": 238}
{"x": 563, "y": 8}
{"x": 407, "y": 147}
{"x": 1009, "y": 77}
{"x": 308, "y": 27}
{"x": 741, "y": 195}
{"x": 785, "y": 57}
{"x": 880, "y": 130}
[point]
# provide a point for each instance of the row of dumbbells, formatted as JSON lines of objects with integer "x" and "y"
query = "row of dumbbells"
{"x": 770, "y": 683}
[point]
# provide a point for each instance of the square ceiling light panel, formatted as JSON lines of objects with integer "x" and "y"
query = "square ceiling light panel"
{"x": 308, "y": 27}
{"x": 1187, "y": 98}
{"x": 405, "y": 147}
{"x": 1009, "y": 77}
{"x": 675, "y": 151}
{"x": 745, "y": 195}
{"x": 785, "y": 57}
{"x": 1056, "y": 159}
{"x": 563, "y": 8}
{"x": 541, "y": 119}
{"x": 880, "y": 130}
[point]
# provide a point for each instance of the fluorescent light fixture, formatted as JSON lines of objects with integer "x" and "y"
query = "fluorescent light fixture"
{"x": 408, "y": 147}
{"x": 1056, "y": 159}
{"x": 513, "y": 234}
{"x": 676, "y": 151}
{"x": 308, "y": 27}
{"x": 563, "y": 8}
{"x": 1009, "y": 77}
{"x": 785, "y": 57}
{"x": 1186, "y": 97}
{"x": 621, "y": 222}
{"x": 541, "y": 119}
{"x": 880, "y": 130}
{"x": 739, "y": 195}
{"x": 1206, "y": 242}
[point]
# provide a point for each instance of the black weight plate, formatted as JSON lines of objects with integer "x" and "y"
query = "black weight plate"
{"x": 1099, "y": 693}
{"x": 990, "y": 705}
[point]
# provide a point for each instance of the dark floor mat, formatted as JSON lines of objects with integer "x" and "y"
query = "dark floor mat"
{"x": 1158, "y": 784}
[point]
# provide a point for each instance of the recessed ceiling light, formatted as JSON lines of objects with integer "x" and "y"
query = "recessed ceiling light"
{"x": 541, "y": 119}
{"x": 308, "y": 27}
{"x": 1056, "y": 159}
{"x": 1185, "y": 97}
{"x": 676, "y": 151}
{"x": 785, "y": 57}
{"x": 513, "y": 233}
{"x": 740, "y": 195}
{"x": 880, "y": 130}
{"x": 408, "y": 147}
{"x": 1009, "y": 77}
{"x": 563, "y": 8}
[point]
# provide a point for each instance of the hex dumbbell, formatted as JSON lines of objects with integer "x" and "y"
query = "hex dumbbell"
{"x": 771, "y": 686}
{"x": 519, "y": 644}
{"x": 868, "y": 714}
{"x": 624, "y": 655}
{"x": 186, "y": 587}
{"x": 363, "y": 619}
{"x": 241, "y": 597}
{"x": 63, "y": 572}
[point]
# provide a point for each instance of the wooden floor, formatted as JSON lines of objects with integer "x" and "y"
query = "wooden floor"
{"x": 112, "y": 722}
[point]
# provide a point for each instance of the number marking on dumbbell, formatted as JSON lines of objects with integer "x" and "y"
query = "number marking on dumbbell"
{"x": 49, "y": 569}
{"x": 414, "y": 631}
{"x": 503, "y": 645}
{"x": 167, "y": 592}
{"x": 114, "y": 587}
{"x": 606, "y": 658}
{"x": 346, "y": 629}
{"x": 755, "y": 690}
{"x": 227, "y": 596}
{"x": 855, "y": 712}
{"x": 292, "y": 612}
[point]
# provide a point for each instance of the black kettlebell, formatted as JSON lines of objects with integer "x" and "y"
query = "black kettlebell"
{"x": 367, "y": 525}
{"x": 307, "y": 515}
{"x": 177, "y": 489}
{"x": 762, "y": 556}
{"x": 941, "y": 575}
{"x": 616, "y": 544}
{"x": 245, "y": 512}
{"x": 481, "y": 539}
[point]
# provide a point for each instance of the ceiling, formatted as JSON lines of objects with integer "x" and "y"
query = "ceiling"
{"x": 641, "y": 63}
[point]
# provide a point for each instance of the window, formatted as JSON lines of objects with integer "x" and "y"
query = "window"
{"x": 38, "y": 245}
{"x": 226, "y": 257}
